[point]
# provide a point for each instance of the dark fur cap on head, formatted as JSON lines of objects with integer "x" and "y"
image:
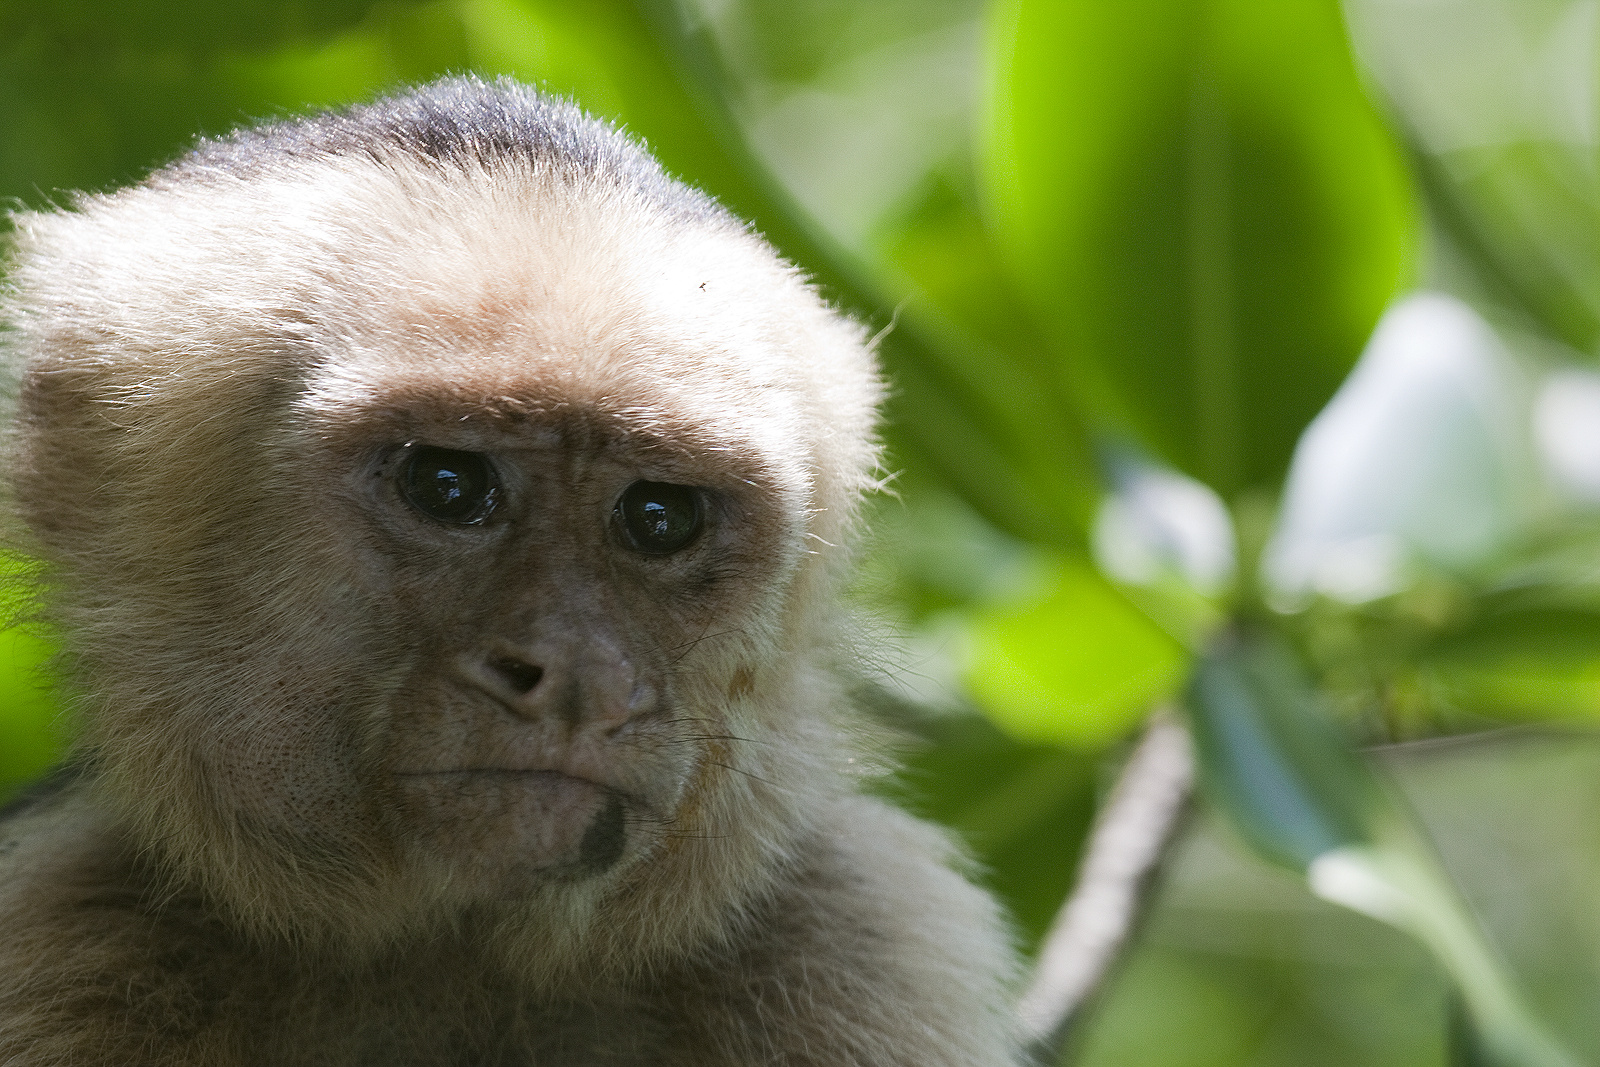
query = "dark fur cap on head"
{"x": 458, "y": 122}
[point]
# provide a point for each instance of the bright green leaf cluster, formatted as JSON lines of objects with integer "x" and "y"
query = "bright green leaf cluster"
{"x": 1079, "y": 665}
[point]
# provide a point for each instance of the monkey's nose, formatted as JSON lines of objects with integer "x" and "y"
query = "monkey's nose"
{"x": 574, "y": 685}
{"x": 528, "y": 689}
{"x": 518, "y": 677}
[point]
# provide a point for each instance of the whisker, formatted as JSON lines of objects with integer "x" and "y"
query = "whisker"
{"x": 741, "y": 770}
{"x": 682, "y": 836}
{"x": 689, "y": 646}
{"x": 712, "y": 737}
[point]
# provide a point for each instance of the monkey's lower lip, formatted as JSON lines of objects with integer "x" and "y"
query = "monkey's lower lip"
{"x": 534, "y": 819}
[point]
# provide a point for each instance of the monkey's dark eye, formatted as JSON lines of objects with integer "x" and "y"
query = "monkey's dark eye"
{"x": 657, "y": 518}
{"x": 449, "y": 486}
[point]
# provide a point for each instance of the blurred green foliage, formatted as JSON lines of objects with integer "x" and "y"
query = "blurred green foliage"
{"x": 1204, "y": 210}
{"x": 1103, "y": 239}
{"x": 1293, "y": 790}
{"x": 1075, "y": 664}
{"x": 30, "y": 732}
{"x": 1504, "y": 142}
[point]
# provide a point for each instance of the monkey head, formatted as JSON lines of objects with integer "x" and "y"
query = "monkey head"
{"x": 442, "y": 510}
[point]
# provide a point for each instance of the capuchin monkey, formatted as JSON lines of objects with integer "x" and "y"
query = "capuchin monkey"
{"x": 444, "y": 514}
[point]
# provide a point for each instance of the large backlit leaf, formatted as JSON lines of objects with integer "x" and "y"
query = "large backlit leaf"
{"x": 1030, "y": 471}
{"x": 1205, "y": 210}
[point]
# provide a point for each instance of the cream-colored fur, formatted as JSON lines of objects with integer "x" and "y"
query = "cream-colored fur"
{"x": 213, "y": 366}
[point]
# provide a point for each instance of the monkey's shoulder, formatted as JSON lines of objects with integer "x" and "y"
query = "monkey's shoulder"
{"x": 104, "y": 962}
{"x": 882, "y": 949}
{"x": 52, "y": 837}
{"x": 99, "y": 954}
{"x": 85, "y": 966}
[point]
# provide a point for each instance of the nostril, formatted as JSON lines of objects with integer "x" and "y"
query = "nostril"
{"x": 522, "y": 677}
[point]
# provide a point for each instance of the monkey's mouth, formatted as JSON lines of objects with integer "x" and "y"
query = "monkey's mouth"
{"x": 530, "y": 821}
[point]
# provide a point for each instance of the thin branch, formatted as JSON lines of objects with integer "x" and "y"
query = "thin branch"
{"x": 1124, "y": 850}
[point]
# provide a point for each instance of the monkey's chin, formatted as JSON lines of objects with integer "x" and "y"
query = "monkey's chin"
{"x": 505, "y": 831}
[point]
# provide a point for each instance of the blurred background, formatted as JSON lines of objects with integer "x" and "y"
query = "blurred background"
{"x": 1246, "y": 362}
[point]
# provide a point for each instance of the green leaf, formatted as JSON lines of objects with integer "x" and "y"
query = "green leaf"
{"x": 1020, "y": 445}
{"x": 31, "y": 735}
{"x": 1465, "y": 1045}
{"x": 1272, "y": 760}
{"x": 1398, "y": 881}
{"x": 1520, "y": 659}
{"x": 1079, "y": 665}
{"x": 30, "y": 730}
{"x": 1204, "y": 209}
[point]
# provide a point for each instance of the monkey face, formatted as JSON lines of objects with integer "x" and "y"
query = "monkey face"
{"x": 575, "y": 588}
{"x": 434, "y": 535}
